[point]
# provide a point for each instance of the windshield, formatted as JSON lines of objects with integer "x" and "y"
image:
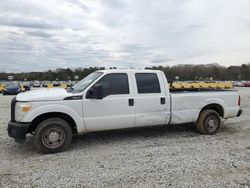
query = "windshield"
{"x": 11, "y": 84}
{"x": 80, "y": 86}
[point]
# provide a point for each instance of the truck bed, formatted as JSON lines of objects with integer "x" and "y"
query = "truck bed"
{"x": 186, "y": 104}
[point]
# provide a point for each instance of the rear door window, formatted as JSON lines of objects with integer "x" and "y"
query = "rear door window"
{"x": 147, "y": 83}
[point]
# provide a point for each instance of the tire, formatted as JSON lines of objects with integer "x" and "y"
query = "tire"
{"x": 208, "y": 122}
{"x": 52, "y": 135}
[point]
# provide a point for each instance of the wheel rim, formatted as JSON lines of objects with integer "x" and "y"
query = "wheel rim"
{"x": 53, "y": 137}
{"x": 212, "y": 123}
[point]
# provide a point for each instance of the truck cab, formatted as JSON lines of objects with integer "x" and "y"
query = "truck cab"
{"x": 128, "y": 99}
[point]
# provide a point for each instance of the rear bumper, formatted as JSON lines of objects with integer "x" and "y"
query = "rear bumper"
{"x": 18, "y": 131}
{"x": 239, "y": 113}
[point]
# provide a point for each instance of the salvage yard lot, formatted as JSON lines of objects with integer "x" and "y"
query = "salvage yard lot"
{"x": 161, "y": 156}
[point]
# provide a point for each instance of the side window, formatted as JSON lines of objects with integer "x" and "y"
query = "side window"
{"x": 147, "y": 83}
{"x": 114, "y": 84}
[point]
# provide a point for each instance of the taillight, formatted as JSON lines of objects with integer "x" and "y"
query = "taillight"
{"x": 239, "y": 101}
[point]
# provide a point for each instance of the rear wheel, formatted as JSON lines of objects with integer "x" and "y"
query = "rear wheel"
{"x": 208, "y": 122}
{"x": 52, "y": 135}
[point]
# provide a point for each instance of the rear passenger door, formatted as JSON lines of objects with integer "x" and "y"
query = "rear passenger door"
{"x": 151, "y": 106}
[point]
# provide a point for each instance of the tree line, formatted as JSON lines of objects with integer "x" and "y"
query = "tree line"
{"x": 58, "y": 74}
{"x": 177, "y": 72}
{"x": 206, "y": 72}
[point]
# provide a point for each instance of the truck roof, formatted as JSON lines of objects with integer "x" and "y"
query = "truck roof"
{"x": 129, "y": 70}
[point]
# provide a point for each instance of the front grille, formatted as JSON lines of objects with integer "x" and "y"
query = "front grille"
{"x": 12, "y": 111}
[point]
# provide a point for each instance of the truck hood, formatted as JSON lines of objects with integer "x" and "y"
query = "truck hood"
{"x": 50, "y": 94}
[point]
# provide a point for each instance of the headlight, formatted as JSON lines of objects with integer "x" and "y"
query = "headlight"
{"x": 21, "y": 109}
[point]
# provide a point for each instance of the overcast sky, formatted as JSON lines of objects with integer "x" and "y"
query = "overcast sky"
{"x": 37, "y": 35}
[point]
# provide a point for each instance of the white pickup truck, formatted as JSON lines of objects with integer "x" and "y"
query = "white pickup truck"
{"x": 115, "y": 99}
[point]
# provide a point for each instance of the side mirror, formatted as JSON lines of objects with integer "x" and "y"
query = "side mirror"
{"x": 95, "y": 92}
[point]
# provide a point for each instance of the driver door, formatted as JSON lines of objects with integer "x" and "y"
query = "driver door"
{"x": 116, "y": 109}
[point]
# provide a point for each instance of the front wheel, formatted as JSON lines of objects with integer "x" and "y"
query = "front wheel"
{"x": 208, "y": 122}
{"x": 52, "y": 135}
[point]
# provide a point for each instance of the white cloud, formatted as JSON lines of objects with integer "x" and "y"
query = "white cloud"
{"x": 36, "y": 35}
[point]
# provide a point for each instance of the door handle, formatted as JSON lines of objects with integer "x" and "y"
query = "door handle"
{"x": 131, "y": 102}
{"x": 163, "y": 100}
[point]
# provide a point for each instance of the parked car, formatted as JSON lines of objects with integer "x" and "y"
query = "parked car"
{"x": 69, "y": 83}
{"x": 26, "y": 86}
{"x": 1, "y": 87}
{"x": 36, "y": 83}
{"x": 247, "y": 84}
{"x": 55, "y": 83}
{"x": 115, "y": 99}
{"x": 45, "y": 83}
{"x": 11, "y": 88}
{"x": 238, "y": 84}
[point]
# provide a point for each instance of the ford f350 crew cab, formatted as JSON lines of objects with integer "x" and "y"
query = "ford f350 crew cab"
{"x": 115, "y": 99}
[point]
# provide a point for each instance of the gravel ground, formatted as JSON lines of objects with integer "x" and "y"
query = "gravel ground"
{"x": 173, "y": 156}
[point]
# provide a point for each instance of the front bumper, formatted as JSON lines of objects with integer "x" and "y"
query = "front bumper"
{"x": 11, "y": 92}
{"x": 239, "y": 113}
{"x": 18, "y": 131}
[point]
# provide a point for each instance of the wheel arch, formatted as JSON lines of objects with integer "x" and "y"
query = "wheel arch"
{"x": 35, "y": 122}
{"x": 216, "y": 107}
